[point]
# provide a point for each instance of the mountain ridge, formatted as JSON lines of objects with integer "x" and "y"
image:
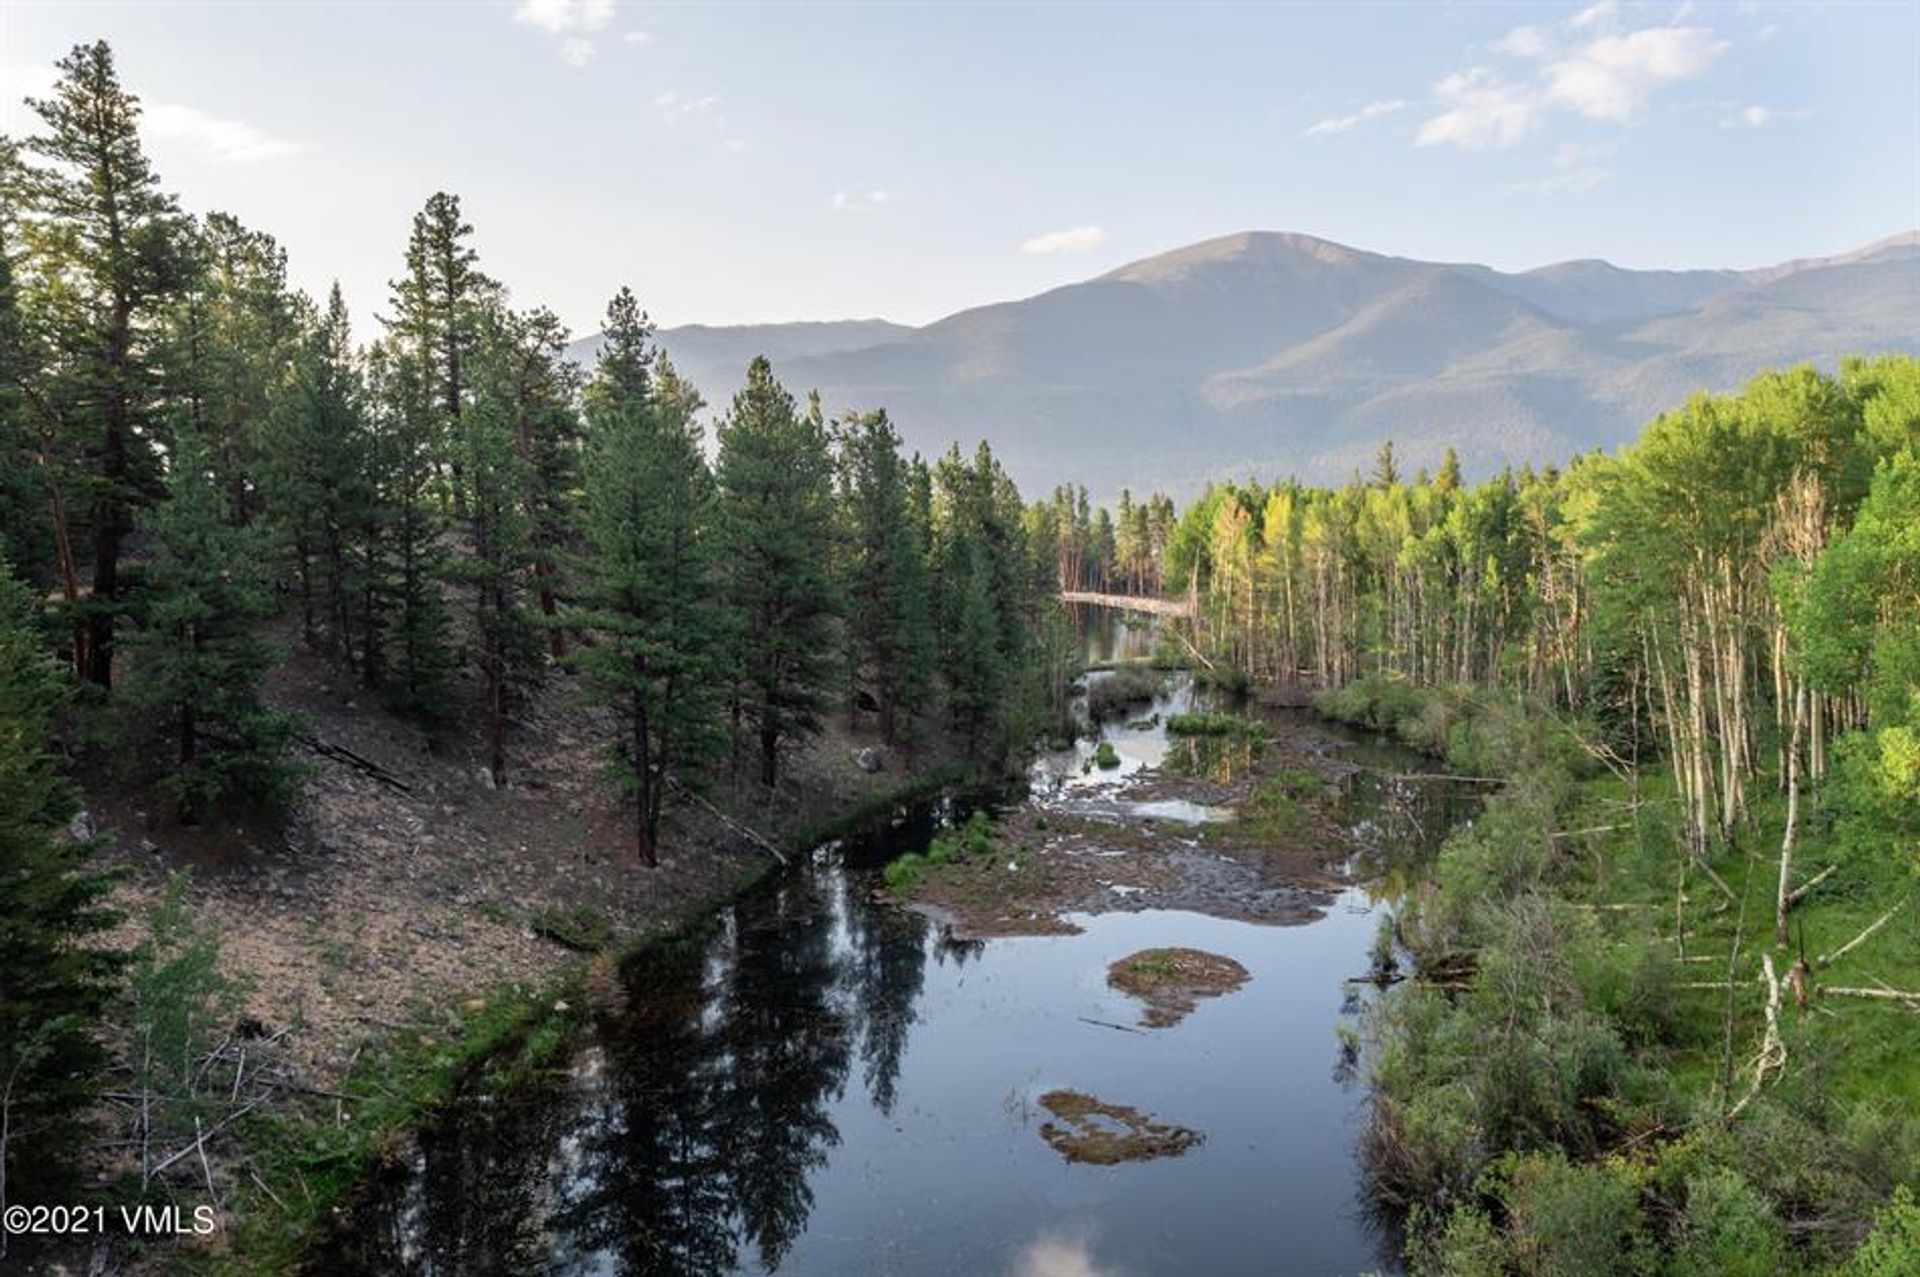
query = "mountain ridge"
{"x": 1288, "y": 353}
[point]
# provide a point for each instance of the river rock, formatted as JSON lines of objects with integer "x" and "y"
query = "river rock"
{"x": 81, "y": 828}
{"x": 869, "y": 759}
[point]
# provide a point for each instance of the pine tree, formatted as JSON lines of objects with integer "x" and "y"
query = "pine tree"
{"x": 438, "y": 309}
{"x": 521, "y": 386}
{"x": 57, "y": 983}
{"x": 230, "y": 347}
{"x": 775, "y": 472}
{"x": 198, "y": 661}
{"x": 406, "y": 652}
{"x": 317, "y": 475}
{"x": 889, "y": 626}
{"x": 24, "y": 537}
{"x": 103, "y": 245}
{"x": 647, "y": 592}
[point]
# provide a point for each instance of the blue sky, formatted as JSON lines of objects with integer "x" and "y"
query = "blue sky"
{"x": 742, "y": 162}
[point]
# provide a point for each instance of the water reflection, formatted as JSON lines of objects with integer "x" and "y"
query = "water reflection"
{"x": 826, "y": 1085}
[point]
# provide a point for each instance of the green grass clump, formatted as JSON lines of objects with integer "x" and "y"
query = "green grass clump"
{"x": 970, "y": 840}
{"x": 581, "y": 928}
{"x": 1214, "y": 725}
{"x": 1105, "y": 757}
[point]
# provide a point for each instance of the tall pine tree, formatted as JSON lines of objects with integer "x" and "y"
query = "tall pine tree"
{"x": 198, "y": 658}
{"x": 775, "y": 471}
{"x": 889, "y": 627}
{"x": 647, "y": 593}
{"x": 104, "y": 247}
{"x": 57, "y": 983}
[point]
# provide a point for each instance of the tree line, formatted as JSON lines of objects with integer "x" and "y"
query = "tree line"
{"x": 192, "y": 451}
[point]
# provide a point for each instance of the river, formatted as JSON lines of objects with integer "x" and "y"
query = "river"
{"x": 830, "y": 1085}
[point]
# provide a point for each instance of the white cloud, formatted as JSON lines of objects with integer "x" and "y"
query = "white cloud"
{"x": 1577, "y": 167}
{"x": 173, "y": 127}
{"x": 1074, "y": 239}
{"x": 1602, "y": 14}
{"x": 1612, "y": 78}
{"x": 674, "y": 108}
{"x": 576, "y": 52}
{"x": 858, "y": 202}
{"x": 1483, "y": 111}
{"x": 210, "y": 137}
{"x": 1343, "y": 123}
{"x": 637, "y": 37}
{"x": 560, "y": 16}
{"x": 1527, "y": 42}
{"x": 1757, "y": 115}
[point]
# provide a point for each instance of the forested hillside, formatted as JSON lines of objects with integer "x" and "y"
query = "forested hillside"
{"x": 206, "y": 476}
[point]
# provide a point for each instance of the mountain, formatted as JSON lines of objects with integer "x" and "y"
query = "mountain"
{"x": 1269, "y": 353}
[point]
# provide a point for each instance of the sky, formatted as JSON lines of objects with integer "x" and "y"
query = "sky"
{"x": 756, "y": 162}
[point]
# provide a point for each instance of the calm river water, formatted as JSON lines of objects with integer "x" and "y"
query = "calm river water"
{"x": 833, "y": 1086}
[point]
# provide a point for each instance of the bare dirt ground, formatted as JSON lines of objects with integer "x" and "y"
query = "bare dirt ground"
{"x": 371, "y": 905}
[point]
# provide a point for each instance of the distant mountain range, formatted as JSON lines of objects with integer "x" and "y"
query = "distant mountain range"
{"x": 1270, "y": 354}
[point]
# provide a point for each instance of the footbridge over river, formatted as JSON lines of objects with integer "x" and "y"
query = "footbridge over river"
{"x": 1130, "y": 603}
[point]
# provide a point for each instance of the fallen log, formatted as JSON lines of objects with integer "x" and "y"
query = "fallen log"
{"x": 360, "y": 763}
{"x": 751, "y": 835}
{"x": 1830, "y": 958}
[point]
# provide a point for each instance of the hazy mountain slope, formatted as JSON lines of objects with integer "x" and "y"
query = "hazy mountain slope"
{"x": 1274, "y": 353}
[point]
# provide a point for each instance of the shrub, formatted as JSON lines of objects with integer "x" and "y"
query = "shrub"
{"x": 1575, "y": 1220}
{"x": 1105, "y": 756}
{"x": 1892, "y": 1249}
{"x": 1729, "y": 1229}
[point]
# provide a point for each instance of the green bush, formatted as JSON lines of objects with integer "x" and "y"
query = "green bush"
{"x": 1892, "y": 1249}
{"x": 1571, "y": 1219}
{"x": 1729, "y": 1229}
{"x": 1105, "y": 757}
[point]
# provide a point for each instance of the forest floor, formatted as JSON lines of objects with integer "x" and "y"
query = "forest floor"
{"x": 405, "y": 897}
{"x": 1221, "y": 828}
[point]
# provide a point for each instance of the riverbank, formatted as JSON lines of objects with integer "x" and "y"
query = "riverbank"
{"x": 408, "y": 926}
{"x": 1600, "y": 1060}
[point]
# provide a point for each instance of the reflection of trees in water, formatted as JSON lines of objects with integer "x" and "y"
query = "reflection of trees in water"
{"x": 471, "y": 1203}
{"x": 697, "y": 1121}
{"x": 887, "y": 963}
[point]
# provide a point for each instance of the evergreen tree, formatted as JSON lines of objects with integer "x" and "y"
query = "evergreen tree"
{"x": 103, "y": 243}
{"x": 317, "y": 474}
{"x": 57, "y": 983}
{"x": 889, "y": 627}
{"x": 521, "y": 385}
{"x": 231, "y": 345}
{"x": 198, "y": 658}
{"x": 23, "y": 534}
{"x": 438, "y": 308}
{"x": 647, "y": 592}
{"x": 406, "y": 650}
{"x": 775, "y": 472}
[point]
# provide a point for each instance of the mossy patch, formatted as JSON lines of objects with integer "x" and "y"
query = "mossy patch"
{"x": 1171, "y": 982}
{"x": 1096, "y": 1133}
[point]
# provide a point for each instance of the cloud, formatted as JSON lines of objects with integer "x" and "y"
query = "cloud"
{"x": 560, "y": 16}
{"x": 1611, "y": 78}
{"x": 858, "y": 202}
{"x": 1527, "y": 42}
{"x": 1603, "y": 14}
{"x": 637, "y": 37}
{"x": 1759, "y": 117}
{"x": 1483, "y": 111}
{"x": 1343, "y": 123}
{"x": 210, "y": 137}
{"x": 576, "y": 52}
{"x": 1074, "y": 239}
{"x": 674, "y": 108}
{"x": 1577, "y": 168}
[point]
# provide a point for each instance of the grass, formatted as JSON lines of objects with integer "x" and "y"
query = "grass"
{"x": 581, "y": 928}
{"x": 1105, "y": 757}
{"x": 1215, "y": 725}
{"x": 309, "y": 1159}
{"x": 968, "y": 841}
